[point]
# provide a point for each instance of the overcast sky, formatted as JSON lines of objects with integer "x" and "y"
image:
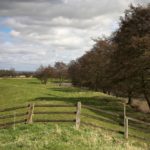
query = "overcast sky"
{"x": 35, "y": 32}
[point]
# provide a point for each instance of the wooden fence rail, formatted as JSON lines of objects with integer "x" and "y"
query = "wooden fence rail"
{"x": 123, "y": 116}
{"x": 139, "y": 121}
{"x": 51, "y": 105}
{"x": 4, "y": 125}
{"x": 48, "y": 120}
{"x": 12, "y": 116}
{"x": 63, "y": 113}
{"x": 13, "y": 108}
{"x": 100, "y": 110}
{"x": 99, "y": 118}
{"x": 126, "y": 126}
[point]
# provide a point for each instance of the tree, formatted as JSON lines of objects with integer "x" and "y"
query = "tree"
{"x": 8, "y": 73}
{"x": 90, "y": 70}
{"x": 61, "y": 71}
{"x": 131, "y": 59}
{"x": 74, "y": 73}
{"x": 121, "y": 64}
{"x": 44, "y": 73}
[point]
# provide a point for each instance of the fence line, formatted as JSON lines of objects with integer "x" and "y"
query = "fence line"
{"x": 11, "y": 116}
{"x": 100, "y": 110}
{"x": 12, "y": 123}
{"x": 47, "y": 120}
{"x": 45, "y": 112}
{"x": 29, "y": 116}
{"x": 138, "y": 121}
{"x": 12, "y": 108}
{"x": 51, "y": 105}
{"x": 99, "y": 118}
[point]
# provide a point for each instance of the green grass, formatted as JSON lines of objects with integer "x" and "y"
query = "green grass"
{"x": 64, "y": 137}
{"x": 20, "y": 91}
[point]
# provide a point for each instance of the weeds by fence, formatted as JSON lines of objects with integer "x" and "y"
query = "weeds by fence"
{"x": 28, "y": 117}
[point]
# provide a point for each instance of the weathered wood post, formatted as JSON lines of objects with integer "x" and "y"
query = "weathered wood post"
{"x": 124, "y": 112}
{"x": 126, "y": 128}
{"x": 78, "y": 115}
{"x": 30, "y": 114}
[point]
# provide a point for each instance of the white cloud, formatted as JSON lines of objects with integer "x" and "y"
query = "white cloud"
{"x": 45, "y": 31}
{"x": 14, "y": 33}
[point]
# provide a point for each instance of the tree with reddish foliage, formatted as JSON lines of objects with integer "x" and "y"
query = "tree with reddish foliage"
{"x": 90, "y": 69}
{"x": 131, "y": 60}
{"x": 44, "y": 73}
{"x": 121, "y": 64}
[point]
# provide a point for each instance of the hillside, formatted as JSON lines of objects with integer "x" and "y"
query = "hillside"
{"x": 64, "y": 135}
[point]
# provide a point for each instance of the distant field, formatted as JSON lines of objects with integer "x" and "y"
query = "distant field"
{"x": 19, "y": 91}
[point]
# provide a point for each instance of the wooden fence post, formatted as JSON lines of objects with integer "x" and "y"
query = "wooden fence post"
{"x": 78, "y": 115}
{"x": 30, "y": 114}
{"x": 126, "y": 128}
{"x": 124, "y": 112}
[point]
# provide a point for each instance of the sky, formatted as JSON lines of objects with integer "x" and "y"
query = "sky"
{"x": 41, "y": 32}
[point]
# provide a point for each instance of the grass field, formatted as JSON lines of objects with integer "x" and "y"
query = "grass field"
{"x": 17, "y": 91}
{"x": 64, "y": 136}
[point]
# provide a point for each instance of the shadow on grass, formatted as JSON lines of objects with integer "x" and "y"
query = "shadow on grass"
{"x": 58, "y": 81}
{"x": 34, "y": 82}
{"x": 67, "y": 89}
{"x": 95, "y": 101}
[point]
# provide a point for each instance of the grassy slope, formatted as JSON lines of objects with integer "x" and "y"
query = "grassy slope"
{"x": 17, "y": 91}
{"x": 64, "y": 137}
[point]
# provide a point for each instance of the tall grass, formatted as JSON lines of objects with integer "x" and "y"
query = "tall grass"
{"x": 64, "y": 137}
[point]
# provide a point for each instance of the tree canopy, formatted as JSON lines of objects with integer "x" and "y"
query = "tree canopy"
{"x": 119, "y": 64}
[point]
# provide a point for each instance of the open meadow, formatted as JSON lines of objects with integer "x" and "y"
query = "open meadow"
{"x": 14, "y": 92}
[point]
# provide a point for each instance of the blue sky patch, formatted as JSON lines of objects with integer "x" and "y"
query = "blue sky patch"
{"x": 3, "y": 27}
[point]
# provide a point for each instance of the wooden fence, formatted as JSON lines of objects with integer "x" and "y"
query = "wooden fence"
{"x": 120, "y": 119}
{"x": 29, "y": 114}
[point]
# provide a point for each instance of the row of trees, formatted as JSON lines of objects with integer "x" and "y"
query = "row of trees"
{"x": 60, "y": 71}
{"x": 119, "y": 64}
{"x": 7, "y": 73}
{"x": 13, "y": 73}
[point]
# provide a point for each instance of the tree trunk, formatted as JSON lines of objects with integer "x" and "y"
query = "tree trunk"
{"x": 104, "y": 91}
{"x": 95, "y": 87}
{"x": 60, "y": 80}
{"x": 129, "y": 100}
{"x": 130, "y": 97}
{"x": 108, "y": 92}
